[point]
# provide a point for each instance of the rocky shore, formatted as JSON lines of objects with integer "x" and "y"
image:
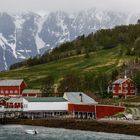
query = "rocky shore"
{"x": 128, "y": 128}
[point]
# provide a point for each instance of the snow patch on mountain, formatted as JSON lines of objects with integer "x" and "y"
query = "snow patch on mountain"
{"x": 39, "y": 42}
{"x": 3, "y": 42}
{"x": 19, "y": 20}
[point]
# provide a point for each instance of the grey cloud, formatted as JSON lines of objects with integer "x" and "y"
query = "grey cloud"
{"x": 68, "y": 5}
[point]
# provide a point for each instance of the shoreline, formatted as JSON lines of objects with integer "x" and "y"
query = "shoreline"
{"x": 107, "y": 126}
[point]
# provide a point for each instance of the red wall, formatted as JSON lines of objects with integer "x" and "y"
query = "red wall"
{"x": 31, "y": 95}
{"x": 100, "y": 110}
{"x": 103, "y": 110}
{"x": 22, "y": 87}
{"x": 81, "y": 108}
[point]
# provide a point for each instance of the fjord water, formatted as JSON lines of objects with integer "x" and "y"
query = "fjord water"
{"x": 17, "y": 132}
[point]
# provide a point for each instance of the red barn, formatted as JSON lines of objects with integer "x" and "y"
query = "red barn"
{"x": 31, "y": 93}
{"x": 11, "y": 87}
{"x": 123, "y": 88}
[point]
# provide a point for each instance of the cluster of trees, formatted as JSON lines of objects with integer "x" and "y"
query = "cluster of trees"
{"x": 137, "y": 81}
{"x": 97, "y": 84}
{"x": 128, "y": 36}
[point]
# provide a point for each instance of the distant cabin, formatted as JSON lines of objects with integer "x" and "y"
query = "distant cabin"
{"x": 123, "y": 87}
{"x": 10, "y": 88}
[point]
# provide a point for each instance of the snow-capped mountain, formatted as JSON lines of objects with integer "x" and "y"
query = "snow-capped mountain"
{"x": 28, "y": 34}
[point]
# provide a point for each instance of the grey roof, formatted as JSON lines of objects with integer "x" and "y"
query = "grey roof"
{"x": 121, "y": 80}
{"x": 30, "y": 91}
{"x": 45, "y": 99}
{"x": 75, "y": 97}
{"x": 11, "y": 82}
{"x": 15, "y": 100}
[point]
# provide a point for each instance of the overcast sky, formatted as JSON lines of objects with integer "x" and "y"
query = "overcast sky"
{"x": 68, "y": 5}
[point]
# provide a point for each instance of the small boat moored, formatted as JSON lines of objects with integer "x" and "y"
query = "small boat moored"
{"x": 31, "y": 131}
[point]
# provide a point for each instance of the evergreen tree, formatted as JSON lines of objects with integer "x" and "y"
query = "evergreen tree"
{"x": 70, "y": 82}
{"x": 48, "y": 86}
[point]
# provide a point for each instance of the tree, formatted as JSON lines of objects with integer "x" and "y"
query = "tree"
{"x": 69, "y": 83}
{"x": 48, "y": 86}
{"x": 137, "y": 81}
{"x": 136, "y": 48}
{"x": 101, "y": 84}
{"x": 114, "y": 74}
{"x": 88, "y": 82}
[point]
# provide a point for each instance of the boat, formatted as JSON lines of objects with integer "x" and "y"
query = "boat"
{"x": 31, "y": 131}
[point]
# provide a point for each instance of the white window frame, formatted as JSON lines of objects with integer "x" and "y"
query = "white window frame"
{"x": 120, "y": 91}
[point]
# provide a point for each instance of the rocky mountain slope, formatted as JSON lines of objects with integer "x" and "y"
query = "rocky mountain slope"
{"x": 28, "y": 34}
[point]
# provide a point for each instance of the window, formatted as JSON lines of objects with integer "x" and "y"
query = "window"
{"x": 11, "y": 91}
{"x": 113, "y": 91}
{"x": 132, "y": 91}
{"x": 131, "y": 85}
{"x": 16, "y": 91}
{"x": 125, "y": 91}
{"x": 125, "y": 85}
{"x": 6, "y": 91}
{"x": 119, "y": 91}
{"x": 2, "y": 91}
{"x": 25, "y": 106}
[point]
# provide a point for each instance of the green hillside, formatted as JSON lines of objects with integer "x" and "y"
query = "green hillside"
{"x": 103, "y": 61}
{"x": 88, "y": 63}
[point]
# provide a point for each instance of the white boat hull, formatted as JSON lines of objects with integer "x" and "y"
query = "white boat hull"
{"x": 32, "y": 132}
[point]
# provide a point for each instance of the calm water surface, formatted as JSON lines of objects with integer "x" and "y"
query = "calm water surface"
{"x": 17, "y": 132}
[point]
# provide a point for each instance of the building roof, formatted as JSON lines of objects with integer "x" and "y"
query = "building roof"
{"x": 75, "y": 97}
{"x": 11, "y": 82}
{"x": 31, "y": 91}
{"x": 121, "y": 80}
{"x": 4, "y": 98}
{"x": 45, "y": 99}
{"x": 15, "y": 100}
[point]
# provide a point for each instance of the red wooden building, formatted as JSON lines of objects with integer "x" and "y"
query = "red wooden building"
{"x": 31, "y": 93}
{"x": 83, "y": 106}
{"x": 123, "y": 88}
{"x": 11, "y": 87}
{"x": 94, "y": 111}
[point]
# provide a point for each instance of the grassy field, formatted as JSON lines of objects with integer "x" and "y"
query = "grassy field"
{"x": 101, "y": 61}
